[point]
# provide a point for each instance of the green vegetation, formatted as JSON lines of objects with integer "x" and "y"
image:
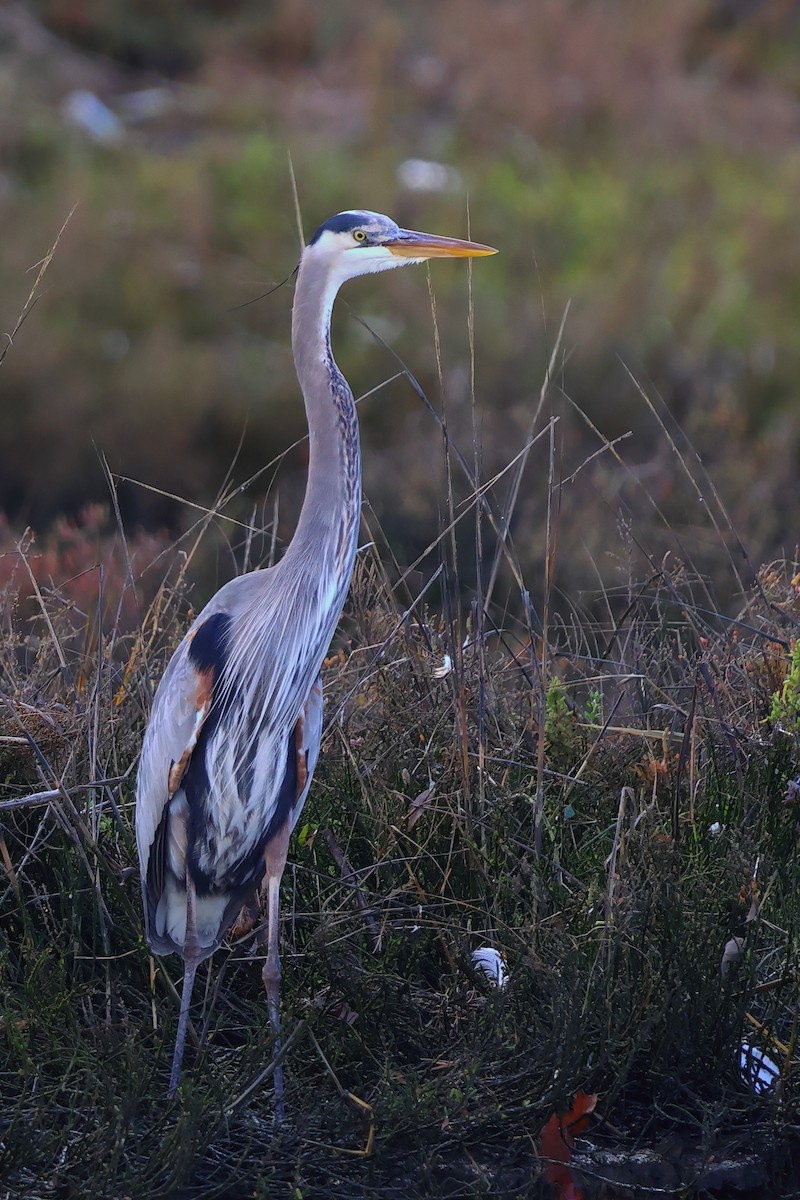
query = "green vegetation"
{"x": 785, "y": 710}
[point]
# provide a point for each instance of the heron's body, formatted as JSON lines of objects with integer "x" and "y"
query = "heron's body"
{"x": 234, "y": 733}
{"x": 230, "y": 792}
{"x": 234, "y": 730}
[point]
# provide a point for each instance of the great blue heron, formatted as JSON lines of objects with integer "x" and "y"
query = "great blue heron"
{"x": 234, "y": 732}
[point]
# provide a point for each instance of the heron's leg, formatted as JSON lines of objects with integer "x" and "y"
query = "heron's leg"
{"x": 191, "y": 957}
{"x": 275, "y": 857}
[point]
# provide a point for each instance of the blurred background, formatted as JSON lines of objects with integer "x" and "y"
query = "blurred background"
{"x": 636, "y": 159}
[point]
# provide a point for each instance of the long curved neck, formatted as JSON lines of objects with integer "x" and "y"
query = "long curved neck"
{"x": 327, "y": 530}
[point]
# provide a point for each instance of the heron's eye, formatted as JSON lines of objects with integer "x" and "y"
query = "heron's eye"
{"x": 359, "y": 235}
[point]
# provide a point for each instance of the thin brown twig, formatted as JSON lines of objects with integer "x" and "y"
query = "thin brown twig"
{"x": 349, "y": 880}
{"x": 38, "y": 798}
{"x": 33, "y": 297}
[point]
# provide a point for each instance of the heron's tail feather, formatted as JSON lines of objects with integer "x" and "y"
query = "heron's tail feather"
{"x": 168, "y": 930}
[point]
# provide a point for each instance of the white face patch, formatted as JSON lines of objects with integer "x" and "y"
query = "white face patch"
{"x": 329, "y": 243}
{"x": 346, "y": 258}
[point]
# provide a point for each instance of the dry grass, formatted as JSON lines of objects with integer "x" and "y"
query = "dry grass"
{"x": 556, "y": 799}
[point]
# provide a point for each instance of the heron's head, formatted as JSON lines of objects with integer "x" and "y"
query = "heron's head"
{"x": 360, "y": 243}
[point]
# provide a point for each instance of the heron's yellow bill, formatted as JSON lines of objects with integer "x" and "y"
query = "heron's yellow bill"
{"x": 411, "y": 244}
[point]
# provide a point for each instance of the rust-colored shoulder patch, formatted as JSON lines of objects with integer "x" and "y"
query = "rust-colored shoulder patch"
{"x": 314, "y": 697}
{"x": 203, "y": 696}
{"x": 302, "y": 765}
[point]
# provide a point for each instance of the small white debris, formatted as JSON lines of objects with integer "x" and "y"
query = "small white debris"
{"x": 731, "y": 955}
{"x": 759, "y": 1071}
{"x": 90, "y": 114}
{"x": 491, "y": 964}
{"x": 419, "y": 175}
{"x": 716, "y": 829}
{"x": 444, "y": 670}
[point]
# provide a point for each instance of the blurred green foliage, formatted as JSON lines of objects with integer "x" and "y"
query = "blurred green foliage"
{"x": 637, "y": 160}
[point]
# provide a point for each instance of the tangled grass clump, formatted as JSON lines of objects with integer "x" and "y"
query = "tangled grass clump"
{"x": 661, "y": 801}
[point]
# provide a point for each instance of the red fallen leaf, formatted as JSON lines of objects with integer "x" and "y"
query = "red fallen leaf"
{"x": 557, "y": 1140}
{"x": 343, "y": 1012}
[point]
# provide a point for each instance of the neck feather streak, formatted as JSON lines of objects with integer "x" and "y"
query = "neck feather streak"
{"x": 327, "y": 531}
